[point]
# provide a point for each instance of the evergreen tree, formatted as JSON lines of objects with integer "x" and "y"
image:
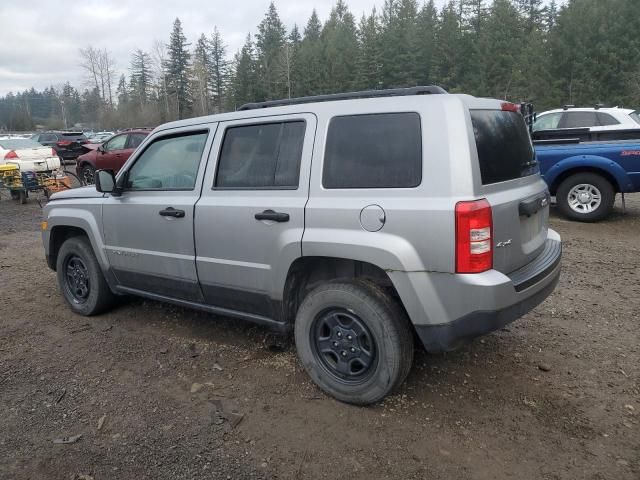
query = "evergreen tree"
{"x": 244, "y": 80}
{"x": 177, "y": 67}
{"x": 370, "y": 56}
{"x": 340, "y": 40}
{"x": 311, "y": 58}
{"x": 449, "y": 51}
{"x": 400, "y": 43}
{"x": 270, "y": 41}
{"x": 427, "y": 25}
{"x": 218, "y": 70}
{"x": 140, "y": 77}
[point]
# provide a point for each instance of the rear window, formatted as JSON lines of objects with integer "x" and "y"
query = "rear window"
{"x": 17, "y": 143}
{"x": 504, "y": 148}
{"x": 374, "y": 151}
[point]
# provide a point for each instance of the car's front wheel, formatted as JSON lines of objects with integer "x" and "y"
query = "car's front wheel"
{"x": 354, "y": 341}
{"x": 585, "y": 197}
{"x": 80, "y": 278}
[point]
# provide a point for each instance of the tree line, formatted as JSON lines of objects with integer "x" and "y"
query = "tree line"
{"x": 580, "y": 52}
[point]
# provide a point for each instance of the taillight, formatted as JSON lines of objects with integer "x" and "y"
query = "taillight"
{"x": 63, "y": 143}
{"x": 510, "y": 107}
{"x": 10, "y": 155}
{"x": 474, "y": 231}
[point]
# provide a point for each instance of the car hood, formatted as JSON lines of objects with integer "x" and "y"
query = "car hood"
{"x": 74, "y": 193}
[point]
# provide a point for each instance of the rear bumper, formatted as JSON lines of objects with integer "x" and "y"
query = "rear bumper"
{"x": 474, "y": 305}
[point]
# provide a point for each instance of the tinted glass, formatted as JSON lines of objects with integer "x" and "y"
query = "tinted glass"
{"x": 116, "y": 143}
{"x": 504, "y": 147}
{"x": 547, "y": 122}
{"x": 373, "y": 151}
{"x": 606, "y": 119}
{"x": 48, "y": 137}
{"x": 261, "y": 156}
{"x": 579, "y": 120}
{"x": 636, "y": 116}
{"x": 135, "y": 139}
{"x": 168, "y": 164}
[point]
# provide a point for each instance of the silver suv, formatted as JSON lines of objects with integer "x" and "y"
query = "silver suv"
{"x": 361, "y": 221}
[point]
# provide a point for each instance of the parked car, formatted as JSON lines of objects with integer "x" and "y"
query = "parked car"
{"x": 585, "y": 175}
{"x": 596, "y": 119}
{"x": 68, "y": 145}
{"x": 28, "y": 155}
{"x": 357, "y": 220}
{"x": 109, "y": 155}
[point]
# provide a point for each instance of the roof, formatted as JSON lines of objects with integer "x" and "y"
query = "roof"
{"x": 590, "y": 109}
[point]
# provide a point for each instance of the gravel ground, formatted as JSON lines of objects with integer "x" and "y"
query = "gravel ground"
{"x": 159, "y": 392}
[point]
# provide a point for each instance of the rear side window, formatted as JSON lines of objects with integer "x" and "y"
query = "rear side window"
{"x": 635, "y": 116}
{"x": 504, "y": 147}
{"x": 579, "y": 120}
{"x": 261, "y": 156}
{"x": 547, "y": 122}
{"x": 606, "y": 119}
{"x": 374, "y": 151}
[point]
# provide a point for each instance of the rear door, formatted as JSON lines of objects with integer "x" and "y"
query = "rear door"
{"x": 510, "y": 181}
{"x": 148, "y": 230}
{"x": 250, "y": 218}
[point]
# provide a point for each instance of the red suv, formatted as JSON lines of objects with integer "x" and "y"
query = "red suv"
{"x": 112, "y": 154}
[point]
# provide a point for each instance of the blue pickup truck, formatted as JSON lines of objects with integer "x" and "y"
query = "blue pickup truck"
{"x": 585, "y": 173}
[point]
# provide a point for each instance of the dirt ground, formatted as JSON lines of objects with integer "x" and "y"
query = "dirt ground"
{"x": 159, "y": 392}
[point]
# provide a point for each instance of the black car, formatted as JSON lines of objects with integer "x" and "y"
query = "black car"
{"x": 68, "y": 145}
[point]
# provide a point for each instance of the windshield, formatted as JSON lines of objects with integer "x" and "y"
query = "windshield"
{"x": 504, "y": 148}
{"x": 18, "y": 143}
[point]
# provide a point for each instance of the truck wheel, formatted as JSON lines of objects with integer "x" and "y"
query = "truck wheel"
{"x": 354, "y": 341}
{"x": 80, "y": 278}
{"x": 87, "y": 175}
{"x": 585, "y": 197}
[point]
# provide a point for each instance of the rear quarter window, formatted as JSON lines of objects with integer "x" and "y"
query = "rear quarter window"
{"x": 504, "y": 148}
{"x": 373, "y": 151}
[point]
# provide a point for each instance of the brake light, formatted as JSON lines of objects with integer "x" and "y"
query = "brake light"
{"x": 474, "y": 230}
{"x": 510, "y": 107}
{"x": 63, "y": 143}
{"x": 10, "y": 155}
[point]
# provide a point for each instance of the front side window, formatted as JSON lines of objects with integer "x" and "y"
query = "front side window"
{"x": 373, "y": 151}
{"x": 261, "y": 156}
{"x": 169, "y": 163}
{"x": 547, "y": 122}
{"x": 116, "y": 143}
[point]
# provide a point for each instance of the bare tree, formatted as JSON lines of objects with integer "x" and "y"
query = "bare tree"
{"x": 159, "y": 54}
{"x": 285, "y": 66}
{"x": 99, "y": 67}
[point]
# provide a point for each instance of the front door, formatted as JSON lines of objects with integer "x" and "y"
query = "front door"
{"x": 112, "y": 154}
{"x": 148, "y": 230}
{"x": 250, "y": 218}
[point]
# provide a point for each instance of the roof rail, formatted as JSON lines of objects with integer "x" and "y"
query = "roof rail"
{"x": 392, "y": 92}
{"x": 567, "y": 107}
{"x": 599, "y": 106}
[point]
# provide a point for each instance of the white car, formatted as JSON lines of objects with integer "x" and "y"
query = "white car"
{"x": 596, "y": 119}
{"x": 28, "y": 155}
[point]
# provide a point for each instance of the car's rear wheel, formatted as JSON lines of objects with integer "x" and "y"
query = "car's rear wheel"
{"x": 80, "y": 278}
{"x": 354, "y": 341}
{"x": 585, "y": 197}
{"x": 88, "y": 174}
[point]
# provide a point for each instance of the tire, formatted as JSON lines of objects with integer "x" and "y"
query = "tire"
{"x": 76, "y": 255}
{"x": 383, "y": 339}
{"x": 87, "y": 174}
{"x": 591, "y": 184}
{"x": 22, "y": 197}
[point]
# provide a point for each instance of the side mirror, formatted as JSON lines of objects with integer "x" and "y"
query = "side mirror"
{"x": 106, "y": 182}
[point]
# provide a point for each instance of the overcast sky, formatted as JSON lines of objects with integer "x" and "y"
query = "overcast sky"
{"x": 40, "y": 40}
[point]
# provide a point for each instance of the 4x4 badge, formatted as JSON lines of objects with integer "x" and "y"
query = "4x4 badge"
{"x": 506, "y": 243}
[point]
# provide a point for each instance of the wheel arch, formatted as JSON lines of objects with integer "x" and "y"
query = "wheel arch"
{"x": 609, "y": 170}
